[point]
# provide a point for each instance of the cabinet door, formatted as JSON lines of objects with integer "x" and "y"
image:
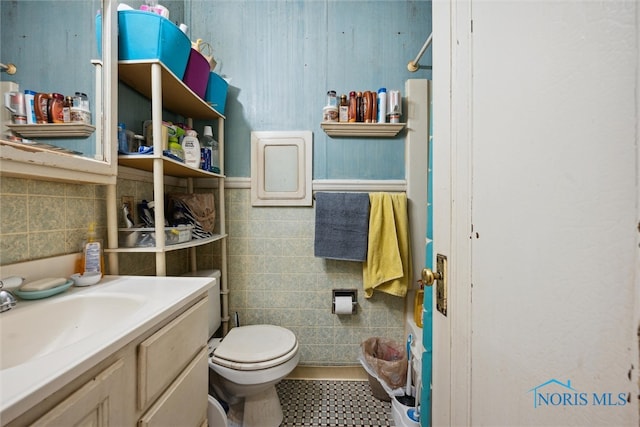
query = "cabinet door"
{"x": 184, "y": 403}
{"x": 95, "y": 404}
{"x": 165, "y": 354}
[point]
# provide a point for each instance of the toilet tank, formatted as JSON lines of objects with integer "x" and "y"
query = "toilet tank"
{"x": 215, "y": 318}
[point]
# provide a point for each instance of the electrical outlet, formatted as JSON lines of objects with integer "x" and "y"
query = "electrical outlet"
{"x": 128, "y": 201}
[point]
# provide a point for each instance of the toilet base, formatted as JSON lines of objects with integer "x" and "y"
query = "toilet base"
{"x": 258, "y": 410}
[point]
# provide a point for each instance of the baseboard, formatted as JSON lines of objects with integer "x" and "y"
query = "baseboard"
{"x": 342, "y": 373}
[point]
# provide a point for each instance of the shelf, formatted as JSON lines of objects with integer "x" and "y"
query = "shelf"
{"x": 379, "y": 130}
{"x": 190, "y": 244}
{"x": 53, "y": 130}
{"x": 176, "y": 96}
{"x": 171, "y": 167}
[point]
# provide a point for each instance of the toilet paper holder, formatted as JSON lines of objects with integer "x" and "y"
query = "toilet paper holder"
{"x": 352, "y": 293}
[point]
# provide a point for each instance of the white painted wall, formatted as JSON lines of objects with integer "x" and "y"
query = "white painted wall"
{"x": 552, "y": 139}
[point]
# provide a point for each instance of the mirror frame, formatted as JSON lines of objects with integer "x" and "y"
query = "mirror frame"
{"x": 50, "y": 165}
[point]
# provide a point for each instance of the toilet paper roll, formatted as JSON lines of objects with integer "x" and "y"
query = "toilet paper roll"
{"x": 343, "y": 305}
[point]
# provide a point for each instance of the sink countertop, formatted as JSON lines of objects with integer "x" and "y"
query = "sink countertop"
{"x": 25, "y": 385}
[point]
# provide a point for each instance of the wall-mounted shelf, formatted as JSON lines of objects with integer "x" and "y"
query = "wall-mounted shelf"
{"x": 53, "y": 130}
{"x": 379, "y": 130}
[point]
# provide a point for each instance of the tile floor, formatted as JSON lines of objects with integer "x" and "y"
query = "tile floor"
{"x": 331, "y": 403}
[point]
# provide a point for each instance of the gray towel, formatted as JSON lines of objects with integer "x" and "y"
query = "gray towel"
{"x": 342, "y": 226}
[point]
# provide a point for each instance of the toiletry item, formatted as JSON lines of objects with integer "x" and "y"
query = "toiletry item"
{"x": 343, "y": 109}
{"x": 374, "y": 106}
{"x": 210, "y": 146}
{"x": 359, "y": 107}
{"x": 353, "y": 107}
{"x": 332, "y": 100}
{"x": 330, "y": 111}
{"x": 43, "y": 284}
{"x": 382, "y": 105}
{"x": 80, "y": 110}
{"x": 92, "y": 259}
{"x": 14, "y": 102}
{"x": 55, "y": 107}
{"x": 29, "y": 104}
{"x": 41, "y": 104}
{"x": 366, "y": 106}
{"x": 394, "y": 107}
{"x": 330, "y": 114}
{"x": 66, "y": 109}
{"x": 191, "y": 148}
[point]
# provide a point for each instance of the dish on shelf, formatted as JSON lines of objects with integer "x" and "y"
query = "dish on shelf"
{"x": 45, "y": 293}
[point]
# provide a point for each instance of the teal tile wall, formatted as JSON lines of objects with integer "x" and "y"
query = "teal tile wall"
{"x": 275, "y": 278}
{"x": 40, "y": 219}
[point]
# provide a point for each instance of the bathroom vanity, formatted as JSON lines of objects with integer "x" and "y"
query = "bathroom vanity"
{"x": 128, "y": 351}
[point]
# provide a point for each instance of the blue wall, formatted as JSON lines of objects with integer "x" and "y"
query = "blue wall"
{"x": 281, "y": 56}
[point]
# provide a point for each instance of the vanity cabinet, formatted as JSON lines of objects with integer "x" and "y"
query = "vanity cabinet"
{"x": 158, "y": 379}
{"x": 97, "y": 403}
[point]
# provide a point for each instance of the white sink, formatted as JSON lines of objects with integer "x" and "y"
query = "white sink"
{"x": 45, "y": 344}
{"x": 44, "y": 327}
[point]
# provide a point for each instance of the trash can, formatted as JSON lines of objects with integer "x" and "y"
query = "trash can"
{"x": 385, "y": 361}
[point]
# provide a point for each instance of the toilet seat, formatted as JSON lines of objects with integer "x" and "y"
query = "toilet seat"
{"x": 255, "y": 347}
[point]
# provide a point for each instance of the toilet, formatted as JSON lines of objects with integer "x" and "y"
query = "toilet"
{"x": 245, "y": 366}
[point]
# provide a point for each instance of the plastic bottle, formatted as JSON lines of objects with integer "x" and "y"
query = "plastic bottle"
{"x": 367, "y": 108}
{"x": 215, "y": 156}
{"x": 92, "y": 259}
{"x": 359, "y": 107}
{"x": 353, "y": 107}
{"x": 343, "y": 110}
{"x": 191, "y": 148}
{"x": 382, "y": 105}
{"x": 41, "y": 103}
{"x": 29, "y": 102}
{"x": 207, "y": 145}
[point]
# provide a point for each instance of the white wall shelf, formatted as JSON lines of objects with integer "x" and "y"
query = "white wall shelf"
{"x": 378, "y": 130}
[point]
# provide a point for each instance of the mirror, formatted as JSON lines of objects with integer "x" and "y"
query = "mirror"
{"x": 53, "y": 45}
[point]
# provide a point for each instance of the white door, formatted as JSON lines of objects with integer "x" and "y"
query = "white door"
{"x": 536, "y": 207}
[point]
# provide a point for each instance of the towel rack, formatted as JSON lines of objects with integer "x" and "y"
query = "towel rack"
{"x": 413, "y": 65}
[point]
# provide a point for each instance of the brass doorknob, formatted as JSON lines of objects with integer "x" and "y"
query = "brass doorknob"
{"x": 429, "y": 277}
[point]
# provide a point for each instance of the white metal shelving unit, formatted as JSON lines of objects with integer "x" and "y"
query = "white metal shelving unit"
{"x": 154, "y": 80}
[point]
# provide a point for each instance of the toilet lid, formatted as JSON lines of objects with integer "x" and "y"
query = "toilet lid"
{"x": 255, "y": 343}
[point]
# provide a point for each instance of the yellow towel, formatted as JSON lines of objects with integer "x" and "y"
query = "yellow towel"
{"x": 388, "y": 264}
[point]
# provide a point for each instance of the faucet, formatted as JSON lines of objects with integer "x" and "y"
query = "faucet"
{"x": 7, "y": 299}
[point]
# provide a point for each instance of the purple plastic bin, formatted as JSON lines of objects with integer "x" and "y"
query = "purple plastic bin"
{"x": 196, "y": 76}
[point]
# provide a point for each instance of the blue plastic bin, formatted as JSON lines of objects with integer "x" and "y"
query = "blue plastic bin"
{"x": 216, "y": 94}
{"x": 146, "y": 35}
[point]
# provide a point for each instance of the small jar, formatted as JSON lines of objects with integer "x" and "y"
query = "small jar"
{"x": 332, "y": 99}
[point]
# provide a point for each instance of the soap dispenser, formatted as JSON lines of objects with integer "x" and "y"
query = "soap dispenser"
{"x": 92, "y": 259}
